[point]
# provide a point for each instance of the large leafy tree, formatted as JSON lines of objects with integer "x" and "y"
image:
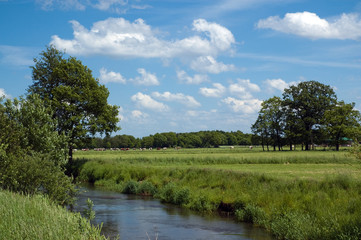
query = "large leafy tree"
{"x": 342, "y": 122}
{"x": 274, "y": 120}
{"x": 32, "y": 153}
{"x": 78, "y": 101}
{"x": 306, "y": 104}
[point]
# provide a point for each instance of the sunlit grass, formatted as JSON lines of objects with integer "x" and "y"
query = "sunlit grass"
{"x": 295, "y": 195}
{"x": 36, "y": 218}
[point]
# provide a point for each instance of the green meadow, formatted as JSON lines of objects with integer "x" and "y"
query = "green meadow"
{"x": 292, "y": 194}
{"x": 36, "y": 217}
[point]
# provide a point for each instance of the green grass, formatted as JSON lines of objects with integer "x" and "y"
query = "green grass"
{"x": 295, "y": 195}
{"x": 24, "y": 217}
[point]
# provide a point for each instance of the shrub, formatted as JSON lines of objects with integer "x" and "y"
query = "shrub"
{"x": 252, "y": 214}
{"x": 131, "y": 187}
{"x": 182, "y": 197}
{"x": 146, "y": 188}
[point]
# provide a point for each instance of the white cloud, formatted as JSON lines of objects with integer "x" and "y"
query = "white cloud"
{"x": 243, "y": 88}
{"x": 63, "y": 4}
{"x": 177, "y": 97}
{"x": 106, "y": 77}
{"x": 310, "y": 25}
{"x": 107, "y": 4}
{"x": 4, "y": 94}
{"x": 121, "y": 38}
{"x": 147, "y": 102}
{"x": 248, "y": 106}
{"x": 196, "y": 79}
{"x": 210, "y": 65}
{"x": 278, "y": 84}
{"x": 138, "y": 114}
{"x": 220, "y": 36}
{"x": 145, "y": 78}
{"x": 217, "y": 91}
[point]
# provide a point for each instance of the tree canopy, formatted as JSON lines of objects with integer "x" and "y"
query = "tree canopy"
{"x": 307, "y": 113}
{"x": 32, "y": 152}
{"x": 78, "y": 101}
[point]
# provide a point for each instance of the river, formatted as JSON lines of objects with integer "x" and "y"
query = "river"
{"x": 136, "y": 217}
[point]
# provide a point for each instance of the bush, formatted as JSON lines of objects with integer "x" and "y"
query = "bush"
{"x": 293, "y": 226}
{"x": 131, "y": 187}
{"x": 146, "y": 188}
{"x": 252, "y": 214}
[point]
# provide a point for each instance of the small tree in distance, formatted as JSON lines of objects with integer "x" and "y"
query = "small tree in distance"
{"x": 78, "y": 101}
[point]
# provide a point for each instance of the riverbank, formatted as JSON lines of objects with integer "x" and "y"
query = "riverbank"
{"x": 34, "y": 218}
{"x": 294, "y": 195}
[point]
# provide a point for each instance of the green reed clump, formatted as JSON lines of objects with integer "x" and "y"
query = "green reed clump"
{"x": 131, "y": 187}
{"x": 171, "y": 193}
{"x": 25, "y": 217}
{"x": 146, "y": 188}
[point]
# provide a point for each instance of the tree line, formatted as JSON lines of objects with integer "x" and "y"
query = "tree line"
{"x": 307, "y": 114}
{"x": 201, "y": 139}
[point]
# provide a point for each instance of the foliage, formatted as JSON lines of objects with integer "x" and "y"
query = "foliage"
{"x": 78, "y": 101}
{"x": 308, "y": 114}
{"x": 89, "y": 212}
{"x": 32, "y": 153}
{"x": 24, "y": 217}
{"x": 342, "y": 122}
{"x": 200, "y": 139}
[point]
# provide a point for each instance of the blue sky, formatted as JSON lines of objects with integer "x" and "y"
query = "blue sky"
{"x": 188, "y": 65}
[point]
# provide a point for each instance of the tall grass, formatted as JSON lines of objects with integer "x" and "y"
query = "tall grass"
{"x": 269, "y": 192}
{"x": 24, "y": 217}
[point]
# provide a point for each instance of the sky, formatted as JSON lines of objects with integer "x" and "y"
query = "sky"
{"x": 188, "y": 65}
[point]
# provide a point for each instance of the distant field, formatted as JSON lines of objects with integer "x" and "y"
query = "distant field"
{"x": 284, "y": 164}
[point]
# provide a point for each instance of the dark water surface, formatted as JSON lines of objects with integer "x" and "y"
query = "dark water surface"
{"x": 135, "y": 217}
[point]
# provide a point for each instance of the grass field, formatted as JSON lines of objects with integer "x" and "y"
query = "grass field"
{"x": 36, "y": 218}
{"x": 295, "y": 195}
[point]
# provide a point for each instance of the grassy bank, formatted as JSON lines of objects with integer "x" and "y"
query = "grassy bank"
{"x": 295, "y": 195}
{"x": 23, "y": 217}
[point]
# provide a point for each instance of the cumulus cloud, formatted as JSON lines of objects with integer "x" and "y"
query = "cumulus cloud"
{"x": 120, "y": 38}
{"x": 4, "y": 94}
{"x": 196, "y": 79}
{"x": 310, "y": 25}
{"x": 189, "y": 101}
{"x": 278, "y": 84}
{"x": 138, "y": 114}
{"x": 210, "y": 65}
{"x": 106, "y": 77}
{"x": 147, "y": 102}
{"x": 145, "y": 78}
{"x": 243, "y": 88}
{"x": 217, "y": 91}
{"x": 247, "y": 106}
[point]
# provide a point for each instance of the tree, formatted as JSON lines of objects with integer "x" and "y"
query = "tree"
{"x": 78, "y": 101}
{"x": 32, "y": 152}
{"x": 261, "y": 129}
{"x": 273, "y": 118}
{"x": 342, "y": 122}
{"x": 306, "y": 104}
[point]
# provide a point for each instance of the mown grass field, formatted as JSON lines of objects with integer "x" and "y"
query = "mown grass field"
{"x": 293, "y": 194}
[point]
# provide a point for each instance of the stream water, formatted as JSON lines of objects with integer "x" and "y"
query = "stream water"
{"x": 136, "y": 217}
